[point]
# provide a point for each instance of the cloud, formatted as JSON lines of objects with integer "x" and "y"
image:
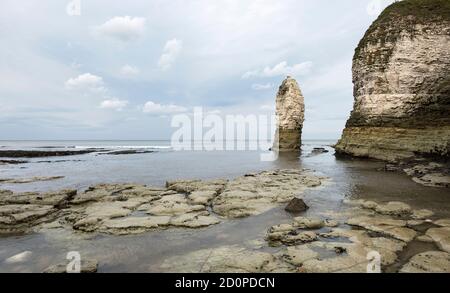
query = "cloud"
{"x": 281, "y": 68}
{"x": 75, "y": 65}
{"x": 114, "y": 104}
{"x": 214, "y": 112}
{"x": 160, "y": 109}
{"x": 268, "y": 107}
{"x": 124, "y": 28}
{"x": 129, "y": 71}
{"x": 260, "y": 87}
{"x": 170, "y": 54}
{"x": 221, "y": 41}
{"x": 86, "y": 82}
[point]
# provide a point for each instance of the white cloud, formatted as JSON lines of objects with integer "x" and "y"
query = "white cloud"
{"x": 155, "y": 108}
{"x": 170, "y": 54}
{"x": 129, "y": 71}
{"x": 220, "y": 39}
{"x": 124, "y": 28}
{"x": 281, "y": 68}
{"x": 86, "y": 82}
{"x": 260, "y": 87}
{"x": 114, "y": 104}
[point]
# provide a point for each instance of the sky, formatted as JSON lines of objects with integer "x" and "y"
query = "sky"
{"x": 120, "y": 70}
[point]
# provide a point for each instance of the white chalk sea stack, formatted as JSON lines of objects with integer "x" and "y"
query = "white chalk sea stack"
{"x": 291, "y": 115}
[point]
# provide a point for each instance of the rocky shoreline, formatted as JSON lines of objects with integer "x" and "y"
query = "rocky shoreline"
{"x": 130, "y": 208}
{"x": 400, "y": 116}
{"x": 332, "y": 241}
{"x": 336, "y": 243}
{"x": 427, "y": 172}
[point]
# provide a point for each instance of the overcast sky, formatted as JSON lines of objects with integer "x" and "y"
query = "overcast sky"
{"x": 122, "y": 68}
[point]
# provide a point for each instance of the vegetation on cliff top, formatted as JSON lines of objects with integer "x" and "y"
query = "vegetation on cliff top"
{"x": 404, "y": 15}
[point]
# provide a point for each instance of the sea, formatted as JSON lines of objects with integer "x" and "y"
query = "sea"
{"x": 157, "y": 163}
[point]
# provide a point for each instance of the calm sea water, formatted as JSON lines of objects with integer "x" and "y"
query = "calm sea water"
{"x": 349, "y": 178}
{"x": 149, "y": 168}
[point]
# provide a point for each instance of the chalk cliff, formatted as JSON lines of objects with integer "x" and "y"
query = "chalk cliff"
{"x": 290, "y": 114}
{"x": 401, "y": 76}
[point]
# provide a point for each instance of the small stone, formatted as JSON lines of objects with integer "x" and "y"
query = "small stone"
{"x": 340, "y": 250}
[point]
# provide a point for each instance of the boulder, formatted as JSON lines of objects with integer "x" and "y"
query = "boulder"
{"x": 296, "y": 205}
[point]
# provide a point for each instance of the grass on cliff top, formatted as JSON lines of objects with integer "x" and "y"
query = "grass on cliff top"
{"x": 422, "y": 12}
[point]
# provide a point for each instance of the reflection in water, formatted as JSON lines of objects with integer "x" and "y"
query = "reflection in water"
{"x": 288, "y": 160}
{"x": 350, "y": 178}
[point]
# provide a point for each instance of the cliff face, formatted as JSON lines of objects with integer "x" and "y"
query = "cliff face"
{"x": 290, "y": 114}
{"x": 401, "y": 76}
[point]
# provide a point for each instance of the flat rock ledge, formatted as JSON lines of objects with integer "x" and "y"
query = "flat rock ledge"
{"x": 347, "y": 243}
{"x": 121, "y": 209}
{"x": 28, "y": 180}
{"x": 428, "y": 262}
{"x": 430, "y": 174}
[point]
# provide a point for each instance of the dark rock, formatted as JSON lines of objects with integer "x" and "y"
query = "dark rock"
{"x": 58, "y": 161}
{"x": 318, "y": 151}
{"x": 12, "y": 162}
{"x": 127, "y": 152}
{"x": 40, "y": 154}
{"x": 392, "y": 168}
{"x": 296, "y": 205}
